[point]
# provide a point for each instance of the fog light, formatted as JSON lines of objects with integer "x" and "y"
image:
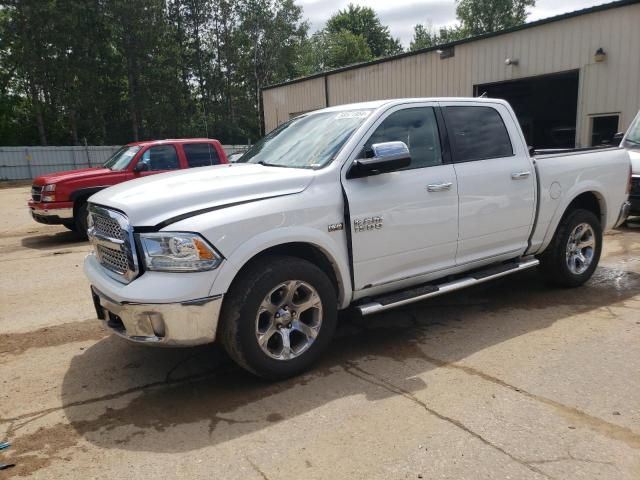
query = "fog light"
{"x": 157, "y": 323}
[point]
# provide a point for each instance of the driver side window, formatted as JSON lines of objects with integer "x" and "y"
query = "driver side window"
{"x": 417, "y": 128}
{"x": 161, "y": 157}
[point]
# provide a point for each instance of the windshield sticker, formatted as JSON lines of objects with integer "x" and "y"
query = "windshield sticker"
{"x": 353, "y": 114}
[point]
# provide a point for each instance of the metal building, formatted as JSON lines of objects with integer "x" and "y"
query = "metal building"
{"x": 573, "y": 79}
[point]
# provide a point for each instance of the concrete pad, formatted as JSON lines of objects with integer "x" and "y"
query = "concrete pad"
{"x": 511, "y": 379}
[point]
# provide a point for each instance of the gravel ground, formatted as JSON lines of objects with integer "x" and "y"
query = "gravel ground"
{"x": 511, "y": 379}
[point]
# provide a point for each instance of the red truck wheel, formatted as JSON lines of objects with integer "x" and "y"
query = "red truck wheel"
{"x": 80, "y": 220}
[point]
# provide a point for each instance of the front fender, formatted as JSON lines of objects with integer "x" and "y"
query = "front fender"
{"x": 329, "y": 245}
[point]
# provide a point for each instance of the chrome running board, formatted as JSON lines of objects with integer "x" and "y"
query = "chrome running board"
{"x": 422, "y": 292}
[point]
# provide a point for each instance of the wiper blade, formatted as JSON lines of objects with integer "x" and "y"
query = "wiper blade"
{"x": 266, "y": 164}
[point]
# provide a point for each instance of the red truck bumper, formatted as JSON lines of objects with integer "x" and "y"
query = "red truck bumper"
{"x": 52, "y": 213}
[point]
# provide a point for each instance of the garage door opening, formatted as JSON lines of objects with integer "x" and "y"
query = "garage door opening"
{"x": 546, "y": 107}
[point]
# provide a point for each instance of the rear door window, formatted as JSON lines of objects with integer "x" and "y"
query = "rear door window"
{"x": 477, "y": 133}
{"x": 200, "y": 154}
{"x": 161, "y": 157}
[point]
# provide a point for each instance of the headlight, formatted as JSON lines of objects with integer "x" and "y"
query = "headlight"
{"x": 49, "y": 188}
{"x": 178, "y": 252}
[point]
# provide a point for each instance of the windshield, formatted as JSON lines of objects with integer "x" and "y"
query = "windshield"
{"x": 308, "y": 141}
{"x": 632, "y": 139}
{"x": 121, "y": 159}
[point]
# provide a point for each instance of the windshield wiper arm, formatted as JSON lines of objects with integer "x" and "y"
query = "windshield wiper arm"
{"x": 266, "y": 164}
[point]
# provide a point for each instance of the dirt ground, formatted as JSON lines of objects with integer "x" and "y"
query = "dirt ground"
{"x": 512, "y": 379}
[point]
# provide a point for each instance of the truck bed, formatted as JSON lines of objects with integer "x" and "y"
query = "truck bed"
{"x": 563, "y": 176}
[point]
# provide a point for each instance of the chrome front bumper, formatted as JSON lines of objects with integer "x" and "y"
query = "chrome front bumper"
{"x": 66, "y": 213}
{"x": 164, "y": 324}
{"x": 51, "y": 216}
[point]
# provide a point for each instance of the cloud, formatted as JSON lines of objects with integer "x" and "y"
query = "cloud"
{"x": 404, "y": 14}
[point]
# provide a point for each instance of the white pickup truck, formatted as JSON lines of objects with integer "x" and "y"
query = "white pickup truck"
{"x": 369, "y": 206}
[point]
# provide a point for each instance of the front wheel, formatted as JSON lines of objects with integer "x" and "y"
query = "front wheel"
{"x": 574, "y": 252}
{"x": 278, "y": 316}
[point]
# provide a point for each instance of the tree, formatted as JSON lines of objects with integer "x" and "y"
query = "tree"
{"x": 363, "y": 21}
{"x": 325, "y": 50}
{"x": 484, "y": 16}
{"x": 346, "y": 48}
{"x": 270, "y": 33}
{"x": 425, "y": 36}
{"x": 476, "y": 17}
{"x": 451, "y": 34}
{"x": 113, "y": 71}
{"x": 28, "y": 39}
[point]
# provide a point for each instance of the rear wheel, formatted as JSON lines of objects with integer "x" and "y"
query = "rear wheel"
{"x": 574, "y": 252}
{"x": 80, "y": 220}
{"x": 278, "y": 317}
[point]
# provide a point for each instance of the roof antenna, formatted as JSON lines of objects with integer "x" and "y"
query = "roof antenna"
{"x": 484, "y": 95}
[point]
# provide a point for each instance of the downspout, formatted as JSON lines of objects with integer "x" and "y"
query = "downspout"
{"x": 326, "y": 91}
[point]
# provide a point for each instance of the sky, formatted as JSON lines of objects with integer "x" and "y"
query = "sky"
{"x": 401, "y": 15}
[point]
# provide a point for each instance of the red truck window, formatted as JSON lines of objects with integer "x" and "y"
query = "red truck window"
{"x": 161, "y": 157}
{"x": 200, "y": 154}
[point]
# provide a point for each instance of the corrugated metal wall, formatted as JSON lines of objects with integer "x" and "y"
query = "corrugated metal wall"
{"x": 20, "y": 163}
{"x": 612, "y": 86}
{"x": 23, "y": 163}
{"x": 280, "y": 103}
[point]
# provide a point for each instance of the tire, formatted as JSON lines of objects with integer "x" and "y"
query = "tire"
{"x": 561, "y": 262}
{"x": 70, "y": 226}
{"x": 80, "y": 220}
{"x": 267, "y": 285}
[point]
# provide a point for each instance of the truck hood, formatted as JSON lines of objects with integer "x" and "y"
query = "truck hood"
{"x": 83, "y": 173}
{"x": 152, "y": 200}
{"x": 634, "y": 155}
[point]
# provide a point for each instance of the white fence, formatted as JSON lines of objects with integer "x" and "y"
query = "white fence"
{"x": 25, "y": 163}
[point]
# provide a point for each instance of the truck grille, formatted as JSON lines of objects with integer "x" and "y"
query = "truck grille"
{"x": 635, "y": 186}
{"x": 112, "y": 238}
{"x": 108, "y": 227}
{"x": 114, "y": 260}
{"x": 36, "y": 193}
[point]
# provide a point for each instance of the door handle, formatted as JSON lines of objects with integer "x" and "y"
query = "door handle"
{"x": 520, "y": 175}
{"x": 439, "y": 187}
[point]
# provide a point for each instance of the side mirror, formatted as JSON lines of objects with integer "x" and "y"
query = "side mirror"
{"x": 617, "y": 138}
{"x": 141, "y": 166}
{"x": 387, "y": 157}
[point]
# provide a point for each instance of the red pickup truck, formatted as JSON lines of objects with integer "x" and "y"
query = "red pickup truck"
{"x": 61, "y": 197}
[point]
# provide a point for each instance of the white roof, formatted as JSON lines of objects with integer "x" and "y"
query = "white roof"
{"x": 400, "y": 101}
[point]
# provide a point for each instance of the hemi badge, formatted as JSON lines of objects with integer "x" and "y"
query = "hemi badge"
{"x": 334, "y": 227}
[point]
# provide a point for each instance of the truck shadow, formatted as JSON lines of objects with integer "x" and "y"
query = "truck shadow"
{"x": 120, "y": 396}
{"x": 52, "y": 241}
